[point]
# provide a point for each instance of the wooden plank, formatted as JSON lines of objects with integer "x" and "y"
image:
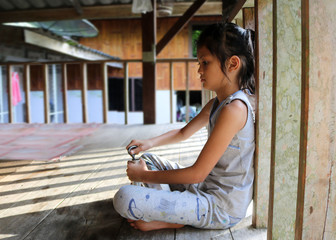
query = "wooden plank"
{"x": 187, "y": 92}
{"x": 264, "y": 83}
{"x": 286, "y": 120}
{"x": 30, "y": 195}
{"x": 304, "y": 119}
{"x": 93, "y": 12}
{"x": 179, "y": 25}
{"x": 248, "y": 18}
{"x": 83, "y": 67}
{"x": 65, "y": 92}
{"x": 231, "y": 10}
{"x": 26, "y": 77}
{"x": 318, "y": 168}
{"x": 105, "y": 92}
{"x": 273, "y": 134}
{"x": 149, "y": 65}
{"x": 46, "y": 94}
{"x": 82, "y": 214}
{"x": 113, "y": 11}
{"x": 73, "y": 197}
{"x": 76, "y": 4}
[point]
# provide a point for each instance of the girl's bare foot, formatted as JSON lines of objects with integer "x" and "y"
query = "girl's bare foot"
{"x": 153, "y": 225}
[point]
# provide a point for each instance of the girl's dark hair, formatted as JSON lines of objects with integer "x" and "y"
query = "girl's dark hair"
{"x": 225, "y": 40}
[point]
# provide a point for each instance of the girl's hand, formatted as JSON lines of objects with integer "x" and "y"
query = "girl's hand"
{"x": 142, "y": 145}
{"x": 136, "y": 170}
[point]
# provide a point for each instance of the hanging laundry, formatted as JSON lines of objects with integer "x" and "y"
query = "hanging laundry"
{"x": 16, "y": 93}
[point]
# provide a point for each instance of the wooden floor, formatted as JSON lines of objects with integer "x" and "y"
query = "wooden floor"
{"x": 72, "y": 198}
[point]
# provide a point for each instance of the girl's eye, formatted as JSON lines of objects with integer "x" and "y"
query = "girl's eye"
{"x": 204, "y": 63}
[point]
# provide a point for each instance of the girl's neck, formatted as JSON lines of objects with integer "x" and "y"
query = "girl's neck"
{"x": 223, "y": 94}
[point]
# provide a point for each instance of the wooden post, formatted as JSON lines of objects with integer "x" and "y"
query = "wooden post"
{"x": 126, "y": 92}
{"x": 171, "y": 68}
{"x": 187, "y": 96}
{"x": 65, "y": 92}
{"x": 264, "y": 81}
{"x": 149, "y": 65}
{"x": 84, "y": 92}
{"x": 287, "y": 103}
{"x": 178, "y": 26}
{"x": 316, "y": 212}
{"x": 10, "y": 94}
{"x": 105, "y": 91}
{"x": 46, "y": 93}
{"x": 27, "y": 91}
{"x": 248, "y": 18}
{"x": 302, "y": 195}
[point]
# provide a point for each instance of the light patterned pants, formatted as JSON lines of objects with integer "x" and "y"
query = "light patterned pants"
{"x": 181, "y": 204}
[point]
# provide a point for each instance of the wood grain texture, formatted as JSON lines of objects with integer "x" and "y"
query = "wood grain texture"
{"x": 72, "y": 198}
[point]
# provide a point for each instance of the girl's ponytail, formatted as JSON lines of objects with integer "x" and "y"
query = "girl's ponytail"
{"x": 250, "y": 40}
{"x": 247, "y": 76}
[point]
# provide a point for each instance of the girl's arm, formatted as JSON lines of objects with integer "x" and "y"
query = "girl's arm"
{"x": 175, "y": 135}
{"x": 231, "y": 119}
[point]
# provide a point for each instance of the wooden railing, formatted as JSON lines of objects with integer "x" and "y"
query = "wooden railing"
{"x": 84, "y": 89}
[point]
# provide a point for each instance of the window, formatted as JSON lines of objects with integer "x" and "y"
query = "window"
{"x": 116, "y": 94}
{"x": 195, "y": 32}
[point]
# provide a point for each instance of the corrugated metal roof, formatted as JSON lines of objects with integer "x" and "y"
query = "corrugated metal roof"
{"x": 12, "y": 5}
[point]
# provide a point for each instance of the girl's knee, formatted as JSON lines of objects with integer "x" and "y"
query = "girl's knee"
{"x": 121, "y": 199}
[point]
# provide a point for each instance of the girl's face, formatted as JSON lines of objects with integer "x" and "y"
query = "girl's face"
{"x": 210, "y": 71}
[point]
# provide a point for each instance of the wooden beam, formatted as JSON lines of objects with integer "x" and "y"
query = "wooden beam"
{"x": 76, "y": 4}
{"x": 300, "y": 203}
{"x": 231, "y": 9}
{"x": 207, "y": 9}
{"x": 10, "y": 94}
{"x": 187, "y": 93}
{"x": 263, "y": 77}
{"x": 149, "y": 65}
{"x": 83, "y": 67}
{"x": 171, "y": 68}
{"x": 286, "y": 125}
{"x": 96, "y": 12}
{"x": 105, "y": 92}
{"x": 99, "y": 12}
{"x": 249, "y": 18}
{"x": 65, "y": 93}
{"x": 177, "y": 27}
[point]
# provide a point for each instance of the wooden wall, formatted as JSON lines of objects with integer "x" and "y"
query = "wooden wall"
{"x": 122, "y": 38}
{"x": 297, "y": 79}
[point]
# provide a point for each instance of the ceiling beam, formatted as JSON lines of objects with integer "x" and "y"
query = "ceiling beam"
{"x": 99, "y": 12}
{"x": 77, "y": 6}
{"x": 231, "y": 9}
{"x": 177, "y": 27}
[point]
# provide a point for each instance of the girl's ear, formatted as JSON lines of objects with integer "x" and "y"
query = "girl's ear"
{"x": 233, "y": 63}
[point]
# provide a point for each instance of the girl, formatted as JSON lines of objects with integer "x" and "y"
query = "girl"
{"x": 216, "y": 190}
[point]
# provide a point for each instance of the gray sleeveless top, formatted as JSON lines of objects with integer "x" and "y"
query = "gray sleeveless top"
{"x": 231, "y": 181}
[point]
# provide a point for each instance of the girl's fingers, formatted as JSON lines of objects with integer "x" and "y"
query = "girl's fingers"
{"x": 133, "y": 142}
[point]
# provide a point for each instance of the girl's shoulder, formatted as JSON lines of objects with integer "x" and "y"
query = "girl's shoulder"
{"x": 235, "y": 113}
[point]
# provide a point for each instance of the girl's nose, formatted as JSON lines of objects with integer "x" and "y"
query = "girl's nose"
{"x": 200, "y": 70}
